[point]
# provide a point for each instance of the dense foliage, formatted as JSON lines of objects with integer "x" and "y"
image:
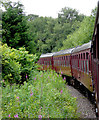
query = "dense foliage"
{"x": 81, "y": 35}
{"x": 45, "y": 96}
{"x": 47, "y": 34}
{"x": 37, "y": 34}
{"x": 14, "y": 25}
{"x": 16, "y": 64}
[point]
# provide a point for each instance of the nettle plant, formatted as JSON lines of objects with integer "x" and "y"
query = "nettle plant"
{"x": 44, "y": 96}
{"x": 16, "y": 64}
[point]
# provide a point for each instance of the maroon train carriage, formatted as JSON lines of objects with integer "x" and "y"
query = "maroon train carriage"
{"x": 95, "y": 59}
{"x": 46, "y": 61}
{"x": 79, "y": 62}
{"x": 81, "y": 65}
{"x": 62, "y": 62}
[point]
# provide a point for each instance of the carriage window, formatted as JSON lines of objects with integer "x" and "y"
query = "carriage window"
{"x": 60, "y": 63}
{"x": 87, "y": 62}
{"x": 77, "y": 62}
{"x": 66, "y": 58}
{"x": 84, "y": 66}
{"x": 64, "y": 61}
{"x": 55, "y": 61}
{"x": 79, "y": 56}
{"x": 87, "y": 66}
{"x": 94, "y": 47}
{"x": 50, "y": 62}
{"x": 87, "y": 55}
{"x": 98, "y": 41}
{"x": 83, "y": 55}
{"x": 69, "y": 61}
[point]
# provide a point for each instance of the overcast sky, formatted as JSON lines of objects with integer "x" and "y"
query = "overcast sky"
{"x": 53, "y": 7}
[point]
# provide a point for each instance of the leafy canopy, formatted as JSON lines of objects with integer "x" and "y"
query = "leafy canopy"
{"x": 14, "y": 25}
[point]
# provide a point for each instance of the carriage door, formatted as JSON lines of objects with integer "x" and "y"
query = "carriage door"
{"x": 97, "y": 55}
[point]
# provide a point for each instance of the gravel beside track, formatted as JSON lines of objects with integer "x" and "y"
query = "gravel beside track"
{"x": 85, "y": 108}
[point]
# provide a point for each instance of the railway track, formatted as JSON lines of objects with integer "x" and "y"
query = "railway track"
{"x": 85, "y": 107}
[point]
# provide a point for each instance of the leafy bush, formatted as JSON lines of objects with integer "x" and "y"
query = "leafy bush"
{"x": 45, "y": 96}
{"x": 16, "y": 64}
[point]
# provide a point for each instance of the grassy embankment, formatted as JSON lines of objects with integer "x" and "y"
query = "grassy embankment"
{"x": 44, "y": 96}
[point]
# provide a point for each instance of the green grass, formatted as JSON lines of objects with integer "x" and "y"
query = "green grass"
{"x": 45, "y": 95}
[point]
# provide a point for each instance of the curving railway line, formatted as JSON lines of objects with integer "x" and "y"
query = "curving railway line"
{"x": 80, "y": 63}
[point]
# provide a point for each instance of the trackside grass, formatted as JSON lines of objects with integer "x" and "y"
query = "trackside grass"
{"x": 44, "y": 96}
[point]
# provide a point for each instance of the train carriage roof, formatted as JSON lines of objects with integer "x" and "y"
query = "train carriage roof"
{"x": 63, "y": 52}
{"x": 47, "y": 55}
{"x": 82, "y": 47}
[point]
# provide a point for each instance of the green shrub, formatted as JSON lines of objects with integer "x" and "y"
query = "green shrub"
{"x": 16, "y": 64}
{"x": 45, "y": 95}
{"x": 11, "y": 69}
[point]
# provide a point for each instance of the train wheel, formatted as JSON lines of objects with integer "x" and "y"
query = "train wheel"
{"x": 96, "y": 105}
{"x": 68, "y": 80}
{"x": 72, "y": 82}
{"x": 86, "y": 93}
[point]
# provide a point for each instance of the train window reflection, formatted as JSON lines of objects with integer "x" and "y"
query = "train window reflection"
{"x": 87, "y": 66}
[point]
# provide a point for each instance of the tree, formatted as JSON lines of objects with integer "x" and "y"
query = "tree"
{"x": 68, "y": 15}
{"x": 14, "y": 25}
{"x": 81, "y": 35}
{"x": 31, "y": 17}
